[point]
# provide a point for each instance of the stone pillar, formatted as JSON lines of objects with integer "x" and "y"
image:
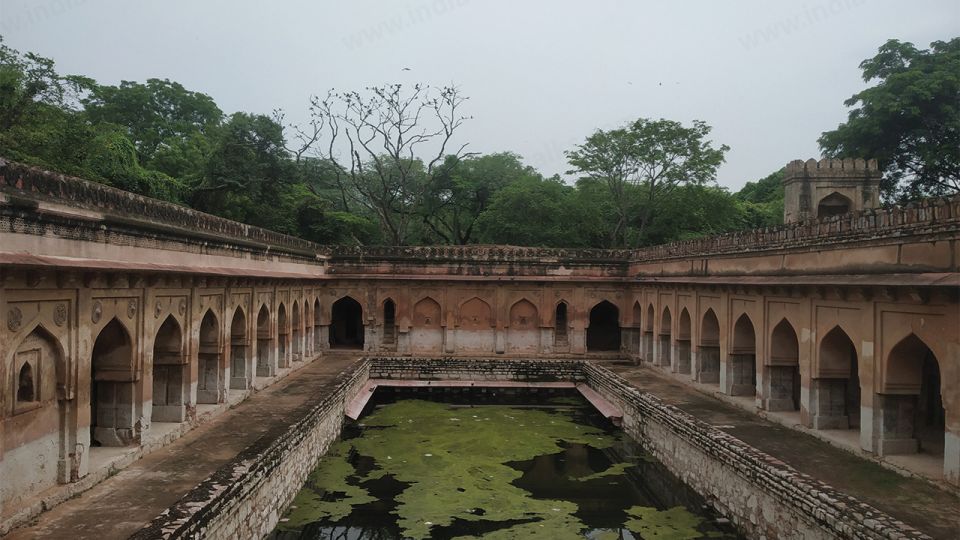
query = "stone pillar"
{"x": 777, "y": 387}
{"x": 708, "y": 364}
{"x": 741, "y": 375}
{"x": 449, "y": 339}
{"x": 896, "y": 425}
{"x": 828, "y": 398}
{"x": 500, "y": 340}
{"x": 951, "y": 453}
{"x": 683, "y": 357}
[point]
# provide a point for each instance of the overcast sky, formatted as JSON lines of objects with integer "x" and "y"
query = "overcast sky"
{"x": 541, "y": 75}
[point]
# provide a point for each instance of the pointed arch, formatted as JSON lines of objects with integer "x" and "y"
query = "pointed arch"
{"x": 389, "y": 321}
{"x": 112, "y": 387}
{"x": 782, "y": 369}
{"x": 914, "y": 418}
{"x": 603, "y": 332}
{"x": 561, "y": 323}
{"x": 524, "y": 315}
{"x": 637, "y": 314}
{"x": 835, "y": 388}
{"x": 834, "y": 204}
{"x": 742, "y": 362}
{"x": 427, "y": 313}
{"x": 239, "y": 351}
{"x": 665, "y": 344}
{"x": 170, "y": 372}
{"x": 475, "y": 314}
{"x": 210, "y": 364}
{"x": 708, "y": 349}
{"x": 523, "y": 332}
{"x": 346, "y": 324}
{"x": 426, "y": 336}
{"x": 34, "y": 382}
{"x": 266, "y": 362}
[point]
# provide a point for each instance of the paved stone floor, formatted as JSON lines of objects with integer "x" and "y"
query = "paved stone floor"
{"x": 913, "y": 501}
{"x": 122, "y": 504}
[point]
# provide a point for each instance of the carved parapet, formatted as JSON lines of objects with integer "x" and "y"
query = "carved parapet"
{"x": 30, "y": 185}
{"x": 926, "y": 216}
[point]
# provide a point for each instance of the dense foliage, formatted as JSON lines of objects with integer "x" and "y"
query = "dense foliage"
{"x": 384, "y": 166}
{"x": 909, "y": 121}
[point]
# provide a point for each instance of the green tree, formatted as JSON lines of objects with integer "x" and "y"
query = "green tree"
{"x": 463, "y": 188}
{"x": 531, "y": 212}
{"x": 761, "y": 202}
{"x": 909, "y": 120}
{"x": 163, "y": 119}
{"x": 653, "y": 156}
{"x": 247, "y": 175}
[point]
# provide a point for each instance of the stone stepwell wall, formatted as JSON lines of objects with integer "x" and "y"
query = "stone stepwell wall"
{"x": 761, "y": 495}
{"x": 245, "y": 498}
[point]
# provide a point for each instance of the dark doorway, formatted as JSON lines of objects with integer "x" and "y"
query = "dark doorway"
{"x": 603, "y": 334}
{"x": 346, "y": 324}
{"x": 560, "y": 325}
{"x": 389, "y": 323}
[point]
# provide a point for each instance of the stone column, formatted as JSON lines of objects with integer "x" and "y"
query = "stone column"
{"x": 896, "y": 425}
{"x": 828, "y": 401}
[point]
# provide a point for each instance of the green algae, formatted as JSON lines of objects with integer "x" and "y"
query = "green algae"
{"x": 455, "y": 464}
{"x": 456, "y": 461}
{"x": 675, "y": 523}
{"x": 327, "y": 493}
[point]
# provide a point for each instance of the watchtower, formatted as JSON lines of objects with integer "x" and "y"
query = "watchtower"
{"x": 829, "y": 187}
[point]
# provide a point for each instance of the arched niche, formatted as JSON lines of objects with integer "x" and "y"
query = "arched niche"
{"x": 603, "y": 332}
{"x": 782, "y": 369}
{"x": 742, "y": 362}
{"x": 34, "y": 402}
{"x": 346, "y": 324}
{"x": 835, "y": 387}
{"x": 266, "y": 364}
{"x": 210, "y": 367}
{"x": 523, "y": 332}
{"x": 171, "y": 376}
{"x": 239, "y": 351}
{"x": 112, "y": 390}
{"x": 708, "y": 349}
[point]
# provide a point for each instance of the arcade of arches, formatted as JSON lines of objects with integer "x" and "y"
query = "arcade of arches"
{"x": 96, "y": 351}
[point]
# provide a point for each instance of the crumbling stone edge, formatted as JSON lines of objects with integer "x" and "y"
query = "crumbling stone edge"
{"x": 762, "y": 496}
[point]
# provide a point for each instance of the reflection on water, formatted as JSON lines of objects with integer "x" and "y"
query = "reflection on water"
{"x": 550, "y": 469}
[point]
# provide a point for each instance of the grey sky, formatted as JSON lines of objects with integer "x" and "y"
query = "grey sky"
{"x": 540, "y": 75}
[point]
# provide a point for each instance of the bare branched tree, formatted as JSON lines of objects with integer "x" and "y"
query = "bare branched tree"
{"x": 373, "y": 142}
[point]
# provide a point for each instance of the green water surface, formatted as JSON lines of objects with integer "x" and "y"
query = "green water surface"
{"x": 422, "y": 469}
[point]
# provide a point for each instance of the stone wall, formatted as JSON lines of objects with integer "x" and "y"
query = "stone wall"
{"x": 245, "y": 498}
{"x": 762, "y": 496}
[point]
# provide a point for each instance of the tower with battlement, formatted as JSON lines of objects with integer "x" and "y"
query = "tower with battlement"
{"x": 829, "y": 187}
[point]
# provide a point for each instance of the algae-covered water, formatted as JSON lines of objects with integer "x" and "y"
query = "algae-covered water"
{"x": 424, "y": 469}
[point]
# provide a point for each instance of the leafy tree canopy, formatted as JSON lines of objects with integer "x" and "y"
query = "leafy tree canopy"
{"x": 909, "y": 120}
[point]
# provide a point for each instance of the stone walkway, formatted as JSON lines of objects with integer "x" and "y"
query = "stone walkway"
{"x": 122, "y": 504}
{"x": 913, "y": 501}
